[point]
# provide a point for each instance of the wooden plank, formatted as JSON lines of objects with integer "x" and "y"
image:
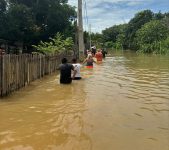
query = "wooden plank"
{"x": 1, "y": 74}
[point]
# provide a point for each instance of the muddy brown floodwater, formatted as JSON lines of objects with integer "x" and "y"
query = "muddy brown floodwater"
{"x": 121, "y": 104}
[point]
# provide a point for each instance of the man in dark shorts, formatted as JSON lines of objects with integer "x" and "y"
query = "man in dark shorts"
{"x": 65, "y": 72}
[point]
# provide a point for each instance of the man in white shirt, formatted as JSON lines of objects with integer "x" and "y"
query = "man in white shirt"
{"x": 77, "y": 67}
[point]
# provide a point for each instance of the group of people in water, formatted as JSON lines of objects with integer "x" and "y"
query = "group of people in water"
{"x": 69, "y": 72}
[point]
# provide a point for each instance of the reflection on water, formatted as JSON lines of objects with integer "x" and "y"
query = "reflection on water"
{"x": 121, "y": 104}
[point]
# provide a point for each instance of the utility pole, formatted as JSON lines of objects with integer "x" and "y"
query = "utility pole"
{"x": 90, "y": 36}
{"x": 80, "y": 30}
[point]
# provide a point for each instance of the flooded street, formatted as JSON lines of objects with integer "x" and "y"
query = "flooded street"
{"x": 121, "y": 104}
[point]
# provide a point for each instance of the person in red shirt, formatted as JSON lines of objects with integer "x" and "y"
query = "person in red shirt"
{"x": 99, "y": 55}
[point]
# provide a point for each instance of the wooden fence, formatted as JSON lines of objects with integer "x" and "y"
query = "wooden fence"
{"x": 16, "y": 71}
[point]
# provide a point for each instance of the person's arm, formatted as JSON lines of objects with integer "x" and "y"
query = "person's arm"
{"x": 84, "y": 61}
{"x": 94, "y": 61}
{"x": 74, "y": 72}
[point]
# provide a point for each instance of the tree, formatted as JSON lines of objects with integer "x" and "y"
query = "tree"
{"x": 115, "y": 35}
{"x": 149, "y": 36}
{"x": 97, "y": 40}
{"x": 3, "y": 6}
{"x": 30, "y": 21}
{"x": 20, "y": 26}
{"x": 110, "y": 34}
{"x": 159, "y": 16}
{"x": 135, "y": 24}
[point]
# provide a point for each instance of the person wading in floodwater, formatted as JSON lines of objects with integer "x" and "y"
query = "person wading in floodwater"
{"x": 104, "y": 52}
{"x": 76, "y": 71}
{"x": 65, "y": 72}
{"x": 93, "y": 50}
{"x": 89, "y": 61}
{"x": 99, "y": 55}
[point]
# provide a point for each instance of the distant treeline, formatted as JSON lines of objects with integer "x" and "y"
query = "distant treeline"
{"x": 30, "y": 21}
{"x": 147, "y": 32}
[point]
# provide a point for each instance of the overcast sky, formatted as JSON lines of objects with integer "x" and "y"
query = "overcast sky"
{"x": 103, "y": 14}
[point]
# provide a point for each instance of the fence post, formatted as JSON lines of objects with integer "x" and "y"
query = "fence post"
{"x": 2, "y": 52}
{"x": 1, "y": 69}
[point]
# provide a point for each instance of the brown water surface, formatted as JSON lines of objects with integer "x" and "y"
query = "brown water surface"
{"x": 121, "y": 104}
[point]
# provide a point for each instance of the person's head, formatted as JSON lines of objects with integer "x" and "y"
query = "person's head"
{"x": 74, "y": 60}
{"x": 64, "y": 60}
{"x": 94, "y": 47}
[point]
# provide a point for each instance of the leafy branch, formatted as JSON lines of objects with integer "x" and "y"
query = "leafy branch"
{"x": 56, "y": 45}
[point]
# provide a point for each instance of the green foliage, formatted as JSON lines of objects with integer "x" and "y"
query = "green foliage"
{"x": 55, "y": 45}
{"x": 152, "y": 31}
{"x": 3, "y": 5}
{"x": 97, "y": 40}
{"x": 165, "y": 46}
{"x": 115, "y": 36}
{"x": 162, "y": 47}
{"x": 149, "y": 37}
{"x": 165, "y": 21}
{"x": 30, "y": 21}
{"x": 146, "y": 32}
{"x": 112, "y": 33}
{"x": 109, "y": 44}
{"x": 135, "y": 24}
{"x": 159, "y": 16}
{"x": 19, "y": 23}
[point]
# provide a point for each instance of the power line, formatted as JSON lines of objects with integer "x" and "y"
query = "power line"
{"x": 86, "y": 16}
{"x": 87, "y": 21}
